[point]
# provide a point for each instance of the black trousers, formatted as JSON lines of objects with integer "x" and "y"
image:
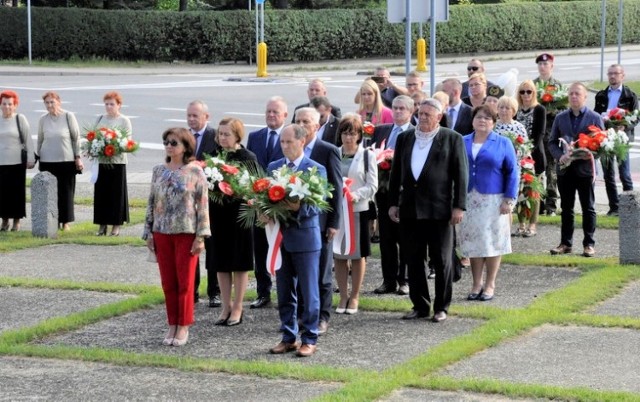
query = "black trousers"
{"x": 568, "y": 184}
{"x": 260, "y": 250}
{"x": 392, "y": 259}
{"x": 437, "y": 236}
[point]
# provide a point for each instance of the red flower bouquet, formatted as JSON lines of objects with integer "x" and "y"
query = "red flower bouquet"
{"x": 105, "y": 143}
{"x": 227, "y": 180}
{"x": 367, "y": 129}
{"x": 273, "y": 196}
{"x": 598, "y": 144}
{"x": 553, "y": 97}
{"x": 619, "y": 117}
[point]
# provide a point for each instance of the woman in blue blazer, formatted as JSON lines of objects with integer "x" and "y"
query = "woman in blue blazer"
{"x": 492, "y": 191}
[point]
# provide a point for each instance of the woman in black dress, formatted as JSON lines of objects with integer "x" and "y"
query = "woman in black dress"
{"x": 232, "y": 244}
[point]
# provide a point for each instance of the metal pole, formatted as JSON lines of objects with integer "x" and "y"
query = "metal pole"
{"x": 432, "y": 47}
{"x": 407, "y": 38}
{"x": 620, "y": 31}
{"x": 29, "y": 28}
{"x": 250, "y": 52}
{"x": 262, "y": 23}
{"x": 257, "y": 27}
{"x": 421, "y": 35}
{"x": 602, "y": 38}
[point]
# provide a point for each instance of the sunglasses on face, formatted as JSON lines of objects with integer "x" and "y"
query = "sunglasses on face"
{"x": 173, "y": 143}
{"x": 473, "y": 68}
{"x": 526, "y": 91}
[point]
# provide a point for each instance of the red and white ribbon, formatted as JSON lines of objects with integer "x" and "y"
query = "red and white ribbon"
{"x": 274, "y": 255}
{"x": 347, "y": 233}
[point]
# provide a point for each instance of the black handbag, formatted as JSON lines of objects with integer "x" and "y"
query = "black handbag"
{"x": 23, "y": 152}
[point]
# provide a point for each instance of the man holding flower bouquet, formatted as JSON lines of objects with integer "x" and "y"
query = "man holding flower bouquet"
{"x": 617, "y": 104}
{"x": 575, "y": 173}
{"x": 300, "y": 247}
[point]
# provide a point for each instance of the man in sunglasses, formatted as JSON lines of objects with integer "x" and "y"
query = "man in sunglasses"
{"x": 474, "y": 66}
{"x": 545, "y": 71}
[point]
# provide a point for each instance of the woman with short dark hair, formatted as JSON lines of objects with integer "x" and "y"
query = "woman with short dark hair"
{"x": 176, "y": 224}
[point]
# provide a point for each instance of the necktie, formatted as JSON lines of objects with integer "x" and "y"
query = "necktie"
{"x": 196, "y": 135}
{"x": 393, "y": 137}
{"x": 291, "y": 166}
{"x": 452, "y": 117}
{"x": 271, "y": 143}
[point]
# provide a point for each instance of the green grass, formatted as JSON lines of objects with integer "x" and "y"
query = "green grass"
{"x": 599, "y": 280}
{"x": 633, "y": 85}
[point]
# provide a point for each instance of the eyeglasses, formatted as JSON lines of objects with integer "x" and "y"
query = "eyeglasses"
{"x": 482, "y": 117}
{"x": 173, "y": 143}
{"x": 525, "y": 91}
{"x": 613, "y": 73}
{"x": 349, "y": 133}
{"x": 473, "y": 68}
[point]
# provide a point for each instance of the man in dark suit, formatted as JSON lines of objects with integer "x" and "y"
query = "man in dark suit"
{"x": 265, "y": 143}
{"x": 301, "y": 244}
{"x": 197, "y": 120}
{"x": 328, "y": 156}
{"x": 328, "y": 122}
{"x": 392, "y": 259}
{"x": 616, "y": 95}
{"x": 578, "y": 176}
{"x": 317, "y": 88}
{"x": 427, "y": 194}
{"x": 459, "y": 112}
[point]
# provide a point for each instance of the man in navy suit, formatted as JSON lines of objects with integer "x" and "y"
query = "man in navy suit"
{"x": 427, "y": 196}
{"x": 394, "y": 267}
{"x": 265, "y": 144}
{"x": 301, "y": 244}
{"x": 616, "y": 95}
{"x": 460, "y": 119}
{"x": 328, "y": 156}
{"x": 328, "y": 123}
{"x": 197, "y": 120}
{"x": 317, "y": 88}
{"x": 578, "y": 176}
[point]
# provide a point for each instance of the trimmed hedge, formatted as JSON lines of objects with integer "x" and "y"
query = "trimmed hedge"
{"x": 299, "y": 35}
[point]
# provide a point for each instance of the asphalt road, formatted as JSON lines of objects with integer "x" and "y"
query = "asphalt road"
{"x": 156, "y": 99}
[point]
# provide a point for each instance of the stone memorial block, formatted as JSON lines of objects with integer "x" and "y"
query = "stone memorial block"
{"x": 629, "y": 227}
{"x": 44, "y": 205}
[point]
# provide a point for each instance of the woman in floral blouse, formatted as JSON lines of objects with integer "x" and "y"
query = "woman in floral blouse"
{"x": 176, "y": 224}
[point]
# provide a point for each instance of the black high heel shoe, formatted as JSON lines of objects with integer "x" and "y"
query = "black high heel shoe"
{"x": 102, "y": 231}
{"x": 222, "y": 321}
{"x": 231, "y": 323}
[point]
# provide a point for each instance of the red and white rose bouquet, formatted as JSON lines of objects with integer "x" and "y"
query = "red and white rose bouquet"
{"x": 105, "y": 143}
{"x": 226, "y": 180}
{"x": 618, "y": 117}
{"x": 273, "y": 196}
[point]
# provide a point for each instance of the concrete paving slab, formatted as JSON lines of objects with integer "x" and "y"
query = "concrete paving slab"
{"x": 23, "y": 307}
{"x": 412, "y": 394}
{"x": 603, "y": 359}
{"x": 117, "y": 264}
{"x": 517, "y": 286}
{"x": 626, "y": 304}
{"x": 372, "y": 341}
{"x": 49, "y": 379}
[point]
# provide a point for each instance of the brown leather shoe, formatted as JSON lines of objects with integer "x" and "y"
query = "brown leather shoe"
{"x": 589, "y": 251}
{"x": 306, "y": 350}
{"x": 561, "y": 249}
{"x": 284, "y": 347}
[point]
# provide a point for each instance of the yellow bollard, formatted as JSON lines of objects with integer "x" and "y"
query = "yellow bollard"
{"x": 421, "y": 49}
{"x": 262, "y": 60}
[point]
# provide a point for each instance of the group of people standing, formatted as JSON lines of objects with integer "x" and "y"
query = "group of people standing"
{"x": 58, "y": 152}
